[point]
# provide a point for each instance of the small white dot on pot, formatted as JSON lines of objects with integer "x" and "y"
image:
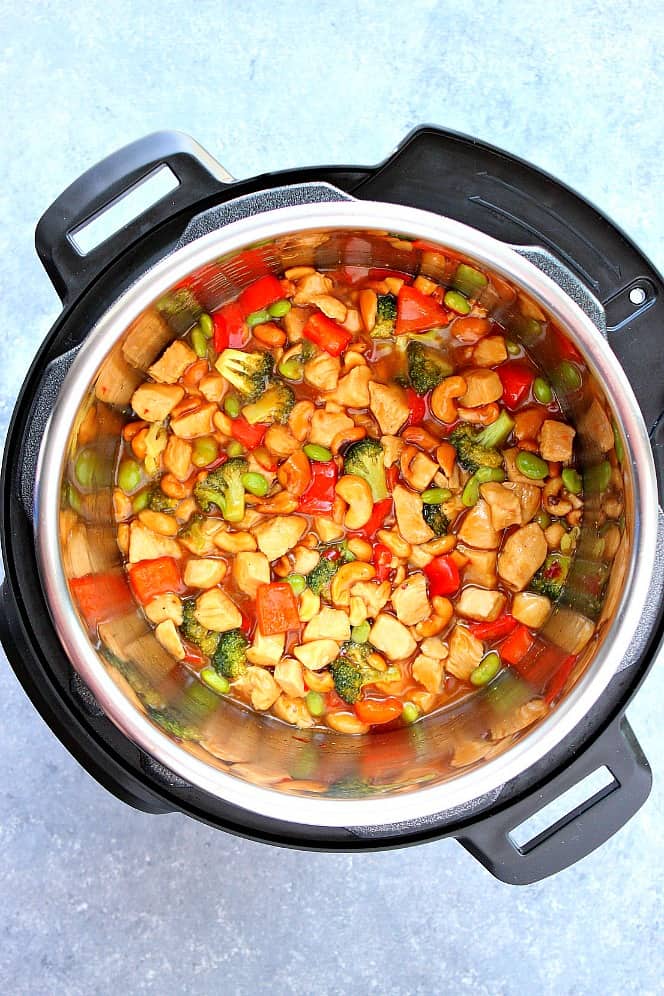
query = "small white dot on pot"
{"x": 637, "y": 295}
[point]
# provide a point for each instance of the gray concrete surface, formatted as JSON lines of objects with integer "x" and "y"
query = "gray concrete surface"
{"x": 96, "y": 898}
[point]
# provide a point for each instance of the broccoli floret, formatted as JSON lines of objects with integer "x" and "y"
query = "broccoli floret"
{"x": 159, "y": 502}
{"x": 386, "y": 317}
{"x": 319, "y": 578}
{"x": 171, "y": 722}
{"x": 230, "y": 657}
{"x": 480, "y": 449}
{"x": 205, "y": 639}
{"x": 273, "y": 406}
{"x": 365, "y": 458}
{"x": 550, "y": 579}
{"x": 223, "y": 489}
{"x": 248, "y": 372}
{"x": 351, "y": 671}
{"x": 193, "y": 533}
{"x": 435, "y": 519}
{"x": 426, "y": 367}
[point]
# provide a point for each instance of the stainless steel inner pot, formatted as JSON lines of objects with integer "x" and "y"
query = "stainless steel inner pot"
{"x": 254, "y": 761}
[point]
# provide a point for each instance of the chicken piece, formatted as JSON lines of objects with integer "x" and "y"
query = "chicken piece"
{"x": 392, "y": 447}
{"x": 266, "y": 651}
{"x": 146, "y": 338}
{"x": 250, "y": 570}
{"x": 392, "y": 638}
{"x": 419, "y": 471}
{"x": 490, "y": 351}
{"x": 529, "y": 499}
{"x": 294, "y": 323}
{"x": 144, "y": 544}
{"x": 410, "y": 600}
{"x": 116, "y": 381}
{"x": 326, "y": 424}
{"x": 323, "y": 371}
{"x": 513, "y": 722}
{"x": 289, "y": 675}
{"x": 196, "y": 423}
{"x": 326, "y": 529}
{"x": 204, "y": 572}
{"x": 329, "y": 624}
{"x": 317, "y": 654}
{"x": 202, "y": 543}
{"x": 177, "y": 457}
{"x": 466, "y": 652}
{"x": 310, "y": 287}
{"x": 523, "y": 553}
{"x": 480, "y": 604}
{"x": 331, "y": 307}
{"x": 234, "y": 541}
{"x": 169, "y": 638}
{"x": 352, "y": 391}
{"x": 482, "y": 387}
{"x": 595, "y": 425}
{"x": 213, "y": 387}
{"x": 389, "y": 405}
{"x": 430, "y": 672}
{"x": 259, "y": 686}
{"x": 480, "y": 567}
{"x": 216, "y": 611}
{"x": 408, "y": 511}
{"x": 293, "y": 711}
{"x": 569, "y": 629}
{"x": 374, "y": 594}
{"x": 504, "y": 505}
{"x": 528, "y": 422}
{"x": 531, "y": 609}
{"x": 513, "y": 473}
{"x": 164, "y": 607}
{"x": 556, "y": 441}
{"x": 154, "y": 402}
{"x": 278, "y": 535}
{"x": 308, "y": 606}
{"x": 172, "y": 363}
{"x": 477, "y": 528}
{"x": 434, "y": 647}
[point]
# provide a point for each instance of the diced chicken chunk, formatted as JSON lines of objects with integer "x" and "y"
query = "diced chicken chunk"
{"x": 204, "y": 572}
{"x": 531, "y": 609}
{"x": 164, "y": 607}
{"x": 392, "y": 447}
{"x": 215, "y": 610}
{"x": 154, "y": 402}
{"x": 490, "y": 351}
{"x": 250, "y": 570}
{"x": 477, "y": 528}
{"x": 196, "y": 423}
{"x": 481, "y": 566}
{"x": 212, "y": 386}
{"x": 525, "y": 715}
{"x": 279, "y": 535}
{"x": 293, "y": 711}
{"x": 317, "y": 654}
{"x": 169, "y": 638}
{"x": 465, "y": 654}
{"x": 482, "y": 387}
{"x": 352, "y": 391}
{"x": 289, "y": 675}
{"x": 556, "y": 441}
{"x": 117, "y": 381}
{"x": 430, "y": 672}
{"x": 259, "y": 685}
{"x": 329, "y": 624}
{"x": 529, "y": 499}
{"x": 480, "y": 604}
{"x": 408, "y": 510}
{"x": 410, "y": 600}
{"x": 504, "y": 505}
{"x": 326, "y": 424}
{"x": 523, "y": 553}
{"x": 374, "y": 594}
{"x": 266, "y": 651}
{"x": 177, "y": 458}
{"x": 172, "y": 363}
{"x": 421, "y": 471}
{"x": 311, "y": 286}
{"x": 392, "y": 638}
{"x": 146, "y": 545}
{"x": 389, "y": 405}
{"x": 322, "y": 371}
{"x": 595, "y": 425}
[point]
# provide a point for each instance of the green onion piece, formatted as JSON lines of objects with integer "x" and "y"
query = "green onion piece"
{"x": 255, "y": 484}
{"x": 298, "y": 583}
{"x": 434, "y": 496}
{"x": 456, "y": 302}
{"x": 207, "y": 325}
{"x": 279, "y": 309}
{"x": 542, "y": 391}
{"x": 360, "y": 633}
{"x": 543, "y": 519}
{"x": 215, "y": 681}
{"x": 258, "y": 318}
{"x": 532, "y": 466}
{"x": 232, "y": 406}
{"x": 74, "y": 498}
{"x": 487, "y": 670}
{"x": 129, "y": 476}
{"x": 315, "y": 703}
{"x": 320, "y": 454}
{"x": 572, "y": 480}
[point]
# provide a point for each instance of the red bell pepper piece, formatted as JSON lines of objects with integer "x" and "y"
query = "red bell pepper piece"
{"x": 516, "y": 646}
{"x": 380, "y": 272}
{"x": 392, "y": 476}
{"x": 349, "y": 275}
{"x": 149, "y": 578}
{"x": 101, "y": 597}
{"x": 260, "y": 295}
{"x": 250, "y": 436}
{"x": 493, "y": 630}
{"x": 319, "y": 496}
{"x": 327, "y": 334}
{"x": 418, "y": 407}
{"x": 381, "y": 510}
{"x": 565, "y": 348}
{"x": 443, "y": 575}
{"x": 276, "y": 608}
{"x": 555, "y": 686}
{"x": 230, "y": 330}
{"x": 382, "y": 558}
{"x": 517, "y": 379}
{"x": 416, "y": 312}
{"x": 376, "y": 711}
{"x": 193, "y": 656}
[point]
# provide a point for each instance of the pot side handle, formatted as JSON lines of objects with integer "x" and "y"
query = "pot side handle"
{"x": 578, "y": 832}
{"x": 196, "y": 175}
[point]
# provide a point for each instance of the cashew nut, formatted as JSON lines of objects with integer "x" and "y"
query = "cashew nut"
{"x": 360, "y": 548}
{"x": 368, "y": 308}
{"x": 294, "y": 474}
{"x": 281, "y": 504}
{"x": 345, "y": 722}
{"x": 347, "y": 576}
{"x": 357, "y": 494}
{"x": 234, "y": 542}
{"x": 346, "y": 436}
{"x": 484, "y": 415}
{"x": 420, "y": 437}
{"x": 299, "y": 420}
{"x": 280, "y": 441}
{"x": 550, "y": 500}
{"x": 443, "y": 396}
{"x": 394, "y": 543}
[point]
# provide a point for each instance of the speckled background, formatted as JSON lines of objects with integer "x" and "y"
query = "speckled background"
{"x": 96, "y": 898}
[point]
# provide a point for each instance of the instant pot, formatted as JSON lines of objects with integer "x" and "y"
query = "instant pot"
{"x": 439, "y": 196}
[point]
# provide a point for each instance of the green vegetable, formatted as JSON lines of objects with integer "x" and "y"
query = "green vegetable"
{"x": 572, "y": 480}
{"x": 291, "y": 369}
{"x": 255, "y": 484}
{"x": 129, "y": 476}
{"x": 298, "y": 583}
{"x": 480, "y": 449}
{"x": 230, "y": 657}
{"x": 223, "y": 489}
{"x": 275, "y": 405}
{"x": 456, "y": 302}
{"x": 199, "y": 342}
{"x": 193, "y": 533}
{"x": 318, "y": 579}
{"x": 140, "y": 501}
{"x": 351, "y": 671}
{"x": 258, "y": 318}
{"x": 468, "y": 280}
{"x": 386, "y": 316}
{"x": 529, "y": 329}
{"x": 471, "y": 493}
{"x": 550, "y": 579}
{"x": 205, "y": 451}
{"x": 435, "y": 518}
{"x": 487, "y": 670}
{"x": 365, "y": 458}
{"x": 532, "y": 466}
{"x": 568, "y": 540}
{"x": 320, "y": 454}
{"x": 542, "y": 391}
{"x": 180, "y": 309}
{"x": 85, "y": 468}
{"x": 159, "y": 502}
{"x": 543, "y": 519}
{"x": 434, "y": 496}
{"x": 249, "y": 372}
{"x": 410, "y": 712}
{"x": 315, "y": 704}
{"x": 360, "y": 633}
{"x": 618, "y": 443}
{"x": 426, "y": 367}
{"x": 205, "y": 639}
{"x": 234, "y": 448}
{"x": 217, "y": 682}
{"x": 512, "y": 347}
{"x": 174, "y": 724}
{"x": 232, "y": 406}
{"x": 597, "y": 478}
{"x": 207, "y": 325}
{"x": 567, "y": 377}
{"x": 279, "y": 308}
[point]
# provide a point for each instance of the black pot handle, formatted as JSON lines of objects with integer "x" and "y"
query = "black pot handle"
{"x": 198, "y": 176}
{"x": 580, "y": 831}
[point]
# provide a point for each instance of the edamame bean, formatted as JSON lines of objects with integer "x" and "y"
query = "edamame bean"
{"x": 255, "y": 484}
{"x": 205, "y": 451}
{"x": 597, "y": 478}
{"x": 85, "y": 468}
{"x": 235, "y": 448}
{"x": 434, "y": 496}
{"x": 486, "y": 670}
{"x": 543, "y": 519}
{"x": 141, "y": 501}
{"x": 360, "y": 633}
{"x": 572, "y": 480}
{"x": 207, "y": 325}
{"x": 532, "y": 466}
{"x": 215, "y": 681}
{"x": 456, "y": 302}
{"x": 410, "y": 712}
{"x": 471, "y": 493}
{"x": 258, "y": 318}
{"x": 298, "y": 583}
{"x": 542, "y": 391}
{"x": 320, "y": 454}
{"x": 279, "y": 309}
{"x": 512, "y": 347}
{"x": 315, "y": 703}
{"x": 199, "y": 342}
{"x": 290, "y": 369}
{"x": 74, "y": 498}
{"x": 568, "y": 376}
{"x": 129, "y": 476}
{"x": 232, "y": 406}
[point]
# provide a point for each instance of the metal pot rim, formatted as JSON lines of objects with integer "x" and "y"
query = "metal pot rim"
{"x": 464, "y": 789}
